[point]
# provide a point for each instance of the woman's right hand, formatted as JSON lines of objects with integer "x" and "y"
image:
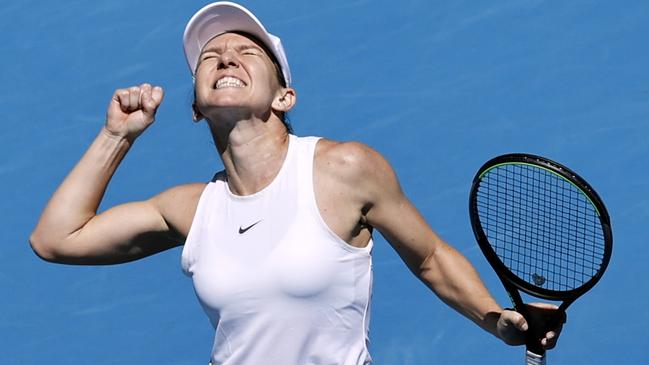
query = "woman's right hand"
{"x": 132, "y": 110}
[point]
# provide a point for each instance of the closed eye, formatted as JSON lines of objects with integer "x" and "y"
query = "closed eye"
{"x": 208, "y": 56}
{"x": 250, "y": 52}
{"x": 248, "y": 49}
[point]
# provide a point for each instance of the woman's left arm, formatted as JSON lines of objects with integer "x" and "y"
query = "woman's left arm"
{"x": 442, "y": 268}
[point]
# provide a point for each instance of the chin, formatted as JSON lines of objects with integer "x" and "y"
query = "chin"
{"x": 224, "y": 101}
{"x": 221, "y": 110}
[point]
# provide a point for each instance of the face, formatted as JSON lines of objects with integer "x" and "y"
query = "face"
{"x": 235, "y": 73}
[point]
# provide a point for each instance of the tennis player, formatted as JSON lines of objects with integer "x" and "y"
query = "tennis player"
{"x": 279, "y": 243}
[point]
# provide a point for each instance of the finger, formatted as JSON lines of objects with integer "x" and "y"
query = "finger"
{"x": 157, "y": 94}
{"x": 152, "y": 100}
{"x": 552, "y": 336}
{"x": 148, "y": 106}
{"x": 550, "y": 340}
{"x": 519, "y": 321}
{"x": 145, "y": 88}
{"x": 145, "y": 95}
{"x": 115, "y": 96}
{"x": 513, "y": 319}
{"x": 542, "y": 305}
{"x": 122, "y": 98}
{"x": 134, "y": 98}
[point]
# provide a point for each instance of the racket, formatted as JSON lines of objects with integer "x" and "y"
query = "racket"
{"x": 544, "y": 231}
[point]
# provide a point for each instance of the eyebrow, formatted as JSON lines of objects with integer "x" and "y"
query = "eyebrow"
{"x": 241, "y": 47}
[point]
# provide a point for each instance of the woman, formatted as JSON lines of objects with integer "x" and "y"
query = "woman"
{"x": 279, "y": 243}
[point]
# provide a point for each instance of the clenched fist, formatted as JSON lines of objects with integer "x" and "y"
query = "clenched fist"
{"x": 132, "y": 110}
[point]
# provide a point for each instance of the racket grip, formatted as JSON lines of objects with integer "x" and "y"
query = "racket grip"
{"x": 534, "y": 359}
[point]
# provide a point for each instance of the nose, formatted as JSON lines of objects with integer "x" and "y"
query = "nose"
{"x": 228, "y": 59}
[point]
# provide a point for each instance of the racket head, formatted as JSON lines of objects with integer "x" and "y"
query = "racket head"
{"x": 519, "y": 205}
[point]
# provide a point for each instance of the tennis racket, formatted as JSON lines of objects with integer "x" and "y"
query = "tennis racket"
{"x": 544, "y": 231}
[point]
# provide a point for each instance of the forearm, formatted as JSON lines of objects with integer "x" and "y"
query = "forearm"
{"x": 454, "y": 280}
{"x": 76, "y": 200}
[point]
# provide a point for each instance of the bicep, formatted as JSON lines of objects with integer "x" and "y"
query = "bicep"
{"x": 403, "y": 226}
{"x": 396, "y": 218}
{"x": 123, "y": 233}
{"x": 132, "y": 231}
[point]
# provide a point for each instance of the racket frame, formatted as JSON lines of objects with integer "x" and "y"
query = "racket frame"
{"x": 512, "y": 283}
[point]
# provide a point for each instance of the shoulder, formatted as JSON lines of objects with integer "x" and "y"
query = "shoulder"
{"x": 181, "y": 193}
{"x": 350, "y": 157}
{"x": 177, "y": 206}
{"x": 355, "y": 164}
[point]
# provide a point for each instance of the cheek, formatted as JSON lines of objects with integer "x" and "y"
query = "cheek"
{"x": 201, "y": 86}
{"x": 266, "y": 74}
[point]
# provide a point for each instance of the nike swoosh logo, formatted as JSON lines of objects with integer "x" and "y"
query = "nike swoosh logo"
{"x": 243, "y": 230}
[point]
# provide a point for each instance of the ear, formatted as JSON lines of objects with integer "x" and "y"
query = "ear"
{"x": 196, "y": 115}
{"x": 284, "y": 100}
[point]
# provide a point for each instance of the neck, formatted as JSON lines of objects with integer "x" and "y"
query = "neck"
{"x": 252, "y": 150}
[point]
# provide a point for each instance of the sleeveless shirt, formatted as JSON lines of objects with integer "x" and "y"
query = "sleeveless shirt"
{"x": 278, "y": 285}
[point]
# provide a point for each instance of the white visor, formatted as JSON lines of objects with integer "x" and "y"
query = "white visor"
{"x": 222, "y": 17}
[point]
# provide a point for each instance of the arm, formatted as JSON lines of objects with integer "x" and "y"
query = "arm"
{"x": 69, "y": 229}
{"x": 437, "y": 264}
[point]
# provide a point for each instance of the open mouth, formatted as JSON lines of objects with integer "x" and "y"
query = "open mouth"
{"x": 229, "y": 81}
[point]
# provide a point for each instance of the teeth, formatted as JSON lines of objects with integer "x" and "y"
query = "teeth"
{"x": 229, "y": 81}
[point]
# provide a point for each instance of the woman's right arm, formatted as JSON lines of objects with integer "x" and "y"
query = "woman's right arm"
{"x": 70, "y": 230}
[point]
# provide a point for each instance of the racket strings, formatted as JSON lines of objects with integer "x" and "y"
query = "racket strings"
{"x": 542, "y": 227}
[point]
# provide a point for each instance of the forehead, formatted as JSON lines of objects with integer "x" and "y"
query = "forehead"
{"x": 232, "y": 40}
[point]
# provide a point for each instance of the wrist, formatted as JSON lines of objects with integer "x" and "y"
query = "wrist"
{"x": 120, "y": 140}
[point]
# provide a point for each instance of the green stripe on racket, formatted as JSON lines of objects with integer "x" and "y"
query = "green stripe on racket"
{"x": 543, "y": 229}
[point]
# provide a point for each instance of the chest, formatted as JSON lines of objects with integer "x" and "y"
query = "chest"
{"x": 255, "y": 257}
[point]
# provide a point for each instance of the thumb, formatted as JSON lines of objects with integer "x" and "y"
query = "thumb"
{"x": 511, "y": 327}
{"x": 511, "y": 318}
{"x": 520, "y": 322}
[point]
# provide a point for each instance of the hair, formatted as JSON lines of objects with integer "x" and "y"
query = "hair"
{"x": 283, "y": 116}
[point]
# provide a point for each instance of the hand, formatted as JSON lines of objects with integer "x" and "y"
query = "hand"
{"x": 132, "y": 110}
{"x": 512, "y": 326}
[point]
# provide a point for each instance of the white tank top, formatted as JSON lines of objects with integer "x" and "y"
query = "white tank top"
{"x": 279, "y": 287}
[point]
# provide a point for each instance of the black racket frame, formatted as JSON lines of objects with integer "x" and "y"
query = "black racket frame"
{"x": 511, "y": 281}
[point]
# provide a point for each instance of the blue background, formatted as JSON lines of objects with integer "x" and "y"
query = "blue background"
{"x": 437, "y": 87}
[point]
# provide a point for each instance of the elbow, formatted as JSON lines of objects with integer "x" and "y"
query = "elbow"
{"x": 427, "y": 262}
{"x": 43, "y": 249}
{"x": 432, "y": 268}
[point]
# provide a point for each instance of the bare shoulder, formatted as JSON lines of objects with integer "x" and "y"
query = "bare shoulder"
{"x": 355, "y": 164}
{"x": 191, "y": 191}
{"x": 177, "y": 206}
{"x": 354, "y": 158}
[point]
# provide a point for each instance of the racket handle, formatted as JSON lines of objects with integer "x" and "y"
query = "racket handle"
{"x": 534, "y": 359}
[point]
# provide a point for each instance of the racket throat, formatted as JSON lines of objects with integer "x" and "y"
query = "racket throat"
{"x": 534, "y": 333}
